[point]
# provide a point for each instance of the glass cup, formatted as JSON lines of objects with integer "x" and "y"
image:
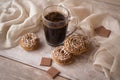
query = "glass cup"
{"x": 55, "y": 20}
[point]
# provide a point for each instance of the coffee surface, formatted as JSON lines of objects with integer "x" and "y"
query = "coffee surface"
{"x": 55, "y": 17}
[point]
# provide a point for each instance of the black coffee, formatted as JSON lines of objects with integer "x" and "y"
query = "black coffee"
{"x": 55, "y": 33}
{"x": 55, "y": 17}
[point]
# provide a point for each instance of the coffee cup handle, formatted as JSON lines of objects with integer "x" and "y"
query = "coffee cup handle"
{"x": 74, "y": 27}
{"x": 69, "y": 20}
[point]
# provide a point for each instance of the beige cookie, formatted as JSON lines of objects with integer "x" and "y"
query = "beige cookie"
{"x": 29, "y": 41}
{"x": 76, "y": 44}
{"x": 61, "y": 56}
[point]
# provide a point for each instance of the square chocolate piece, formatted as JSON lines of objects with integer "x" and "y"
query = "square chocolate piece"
{"x": 102, "y": 31}
{"x": 53, "y": 72}
{"x": 46, "y": 61}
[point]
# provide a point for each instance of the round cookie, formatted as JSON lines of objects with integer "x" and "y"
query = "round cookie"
{"x": 29, "y": 41}
{"x": 76, "y": 44}
{"x": 61, "y": 56}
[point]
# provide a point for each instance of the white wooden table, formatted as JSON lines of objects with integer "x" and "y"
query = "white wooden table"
{"x": 13, "y": 70}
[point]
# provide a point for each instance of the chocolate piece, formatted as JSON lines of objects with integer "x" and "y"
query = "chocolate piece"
{"x": 102, "y": 31}
{"x": 53, "y": 72}
{"x": 46, "y": 61}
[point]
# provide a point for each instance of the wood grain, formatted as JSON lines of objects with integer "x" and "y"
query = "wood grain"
{"x": 12, "y": 70}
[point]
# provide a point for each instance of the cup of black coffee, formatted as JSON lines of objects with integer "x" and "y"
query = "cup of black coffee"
{"x": 55, "y": 22}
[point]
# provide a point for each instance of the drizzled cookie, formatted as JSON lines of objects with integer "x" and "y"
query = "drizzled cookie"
{"x": 29, "y": 41}
{"x": 76, "y": 44}
{"x": 61, "y": 56}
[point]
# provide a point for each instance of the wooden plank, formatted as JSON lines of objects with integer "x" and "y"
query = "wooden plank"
{"x": 12, "y": 70}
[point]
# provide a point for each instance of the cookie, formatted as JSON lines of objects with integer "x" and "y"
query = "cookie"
{"x": 29, "y": 41}
{"x": 76, "y": 44}
{"x": 61, "y": 56}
